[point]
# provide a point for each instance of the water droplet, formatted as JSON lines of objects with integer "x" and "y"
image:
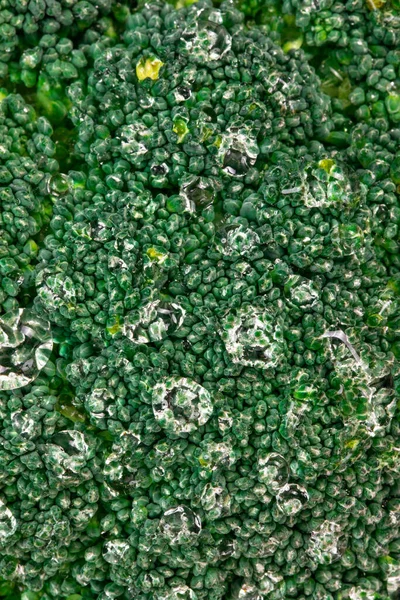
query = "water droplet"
{"x": 268, "y": 547}
{"x": 96, "y": 403}
{"x": 133, "y": 139}
{"x": 301, "y": 292}
{"x": 248, "y": 591}
{"x": 273, "y": 471}
{"x": 24, "y": 425}
{"x": 216, "y": 455}
{"x": 243, "y": 269}
{"x": 198, "y": 192}
{"x": 276, "y": 81}
{"x": 67, "y": 455}
{"x": 216, "y": 37}
{"x": 123, "y": 461}
{"x": 341, "y": 336}
{"x": 73, "y": 442}
{"x": 55, "y": 291}
{"x": 116, "y": 552}
{"x": 8, "y": 523}
{"x": 180, "y": 525}
{"x": 328, "y": 183}
{"x": 180, "y": 405}
{"x": 327, "y": 543}
{"x": 341, "y": 184}
{"x": 179, "y": 592}
{"x": 116, "y": 475}
{"x": 58, "y": 185}
{"x": 296, "y": 409}
{"x": 161, "y": 169}
{"x": 347, "y": 240}
{"x": 25, "y": 347}
{"x": 182, "y": 93}
{"x": 272, "y": 582}
{"x": 239, "y": 151}
{"x": 225, "y": 421}
{"x": 226, "y": 548}
{"x": 154, "y": 259}
{"x": 165, "y": 453}
{"x": 81, "y": 230}
{"x": 271, "y": 187}
{"x": 215, "y": 501}
{"x": 236, "y": 163}
{"x": 359, "y": 593}
{"x": 253, "y": 337}
{"x": 291, "y": 499}
{"x": 145, "y": 100}
{"x": 100, "y": 230}
{"x": 234, "y": 239}
{"x": 372, "y": 409}
{"x": 206, "y": 39}
{"x": 350, "y": 365}
{"x": 153, "y": 322}
{"x": 393, "y": 507}
{"x": 117, "y": 265}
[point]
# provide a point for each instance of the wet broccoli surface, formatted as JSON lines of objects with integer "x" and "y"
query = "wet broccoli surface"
{"x": 200, "y": 300}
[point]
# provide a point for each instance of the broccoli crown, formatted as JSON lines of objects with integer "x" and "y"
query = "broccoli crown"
{"x": 199, "y": 310}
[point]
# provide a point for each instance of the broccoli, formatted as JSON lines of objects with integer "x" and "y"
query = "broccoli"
{"x": 354, "y": 48}
{"x": 44, "y": 44}
{"x": 199, "y": 302}
{"x": 30, "y": 29}
{"x": 28, "y": 172}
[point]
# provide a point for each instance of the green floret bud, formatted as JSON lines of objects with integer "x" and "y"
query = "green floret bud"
{"x": 392, "y": 103}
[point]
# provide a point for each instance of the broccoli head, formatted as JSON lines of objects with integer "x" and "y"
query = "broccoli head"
{"x": 199, "y": 366}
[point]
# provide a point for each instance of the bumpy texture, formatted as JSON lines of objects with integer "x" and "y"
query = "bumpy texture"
{"x": 30, "y": 28}
{"x": 199, "y": 307}
{"x": 27, "y": 169}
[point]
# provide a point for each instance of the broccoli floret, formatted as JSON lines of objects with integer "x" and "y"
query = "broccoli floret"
{"x": 27, "y": 172}
{"x": 45, "y": 47}
{"x": 359, "y": 55}
{"x": 26, "y": 25}
{"x": 199, "y": 323}
{"x": 123, "y": 216}
{"x": 355, "y": 52}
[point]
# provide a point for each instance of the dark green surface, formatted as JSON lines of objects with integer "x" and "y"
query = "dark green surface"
{"x": 215, "y": 249}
